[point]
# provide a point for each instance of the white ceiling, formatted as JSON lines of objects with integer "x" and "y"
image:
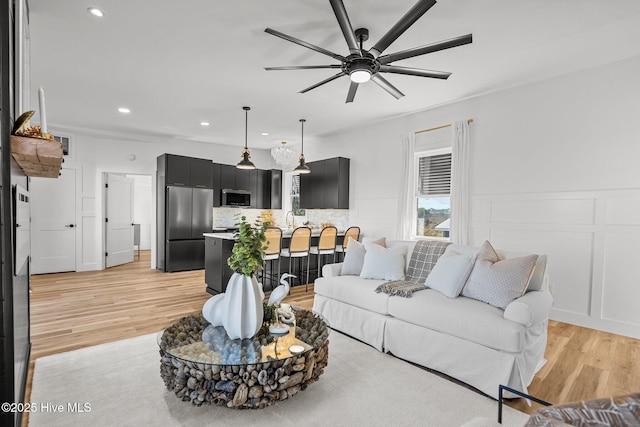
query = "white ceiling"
{"x": 177, "y": 63}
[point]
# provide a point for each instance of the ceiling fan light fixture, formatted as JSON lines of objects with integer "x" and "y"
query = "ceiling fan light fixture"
{"x": 246, "y": 162}
{"x": 360, "y": 76}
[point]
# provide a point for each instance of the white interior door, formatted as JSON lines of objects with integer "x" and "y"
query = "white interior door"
{"x": 53, "y": 223}
{"x": 119, "y": 220}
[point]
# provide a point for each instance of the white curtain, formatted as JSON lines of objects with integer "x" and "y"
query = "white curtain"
{"x": 460, "y": 182}
{"x": 407, "y": 193}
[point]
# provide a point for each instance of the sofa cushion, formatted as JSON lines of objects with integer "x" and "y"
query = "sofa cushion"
{"x": 353, "y": 290}
{"x": 383, "y": 263}
{"x": 462, "y": 317}
{"x": 450, "y": 273}
{"x": 498, "y": 282}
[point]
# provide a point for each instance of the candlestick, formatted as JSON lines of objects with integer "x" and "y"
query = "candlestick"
{"x": 43, "y": 114}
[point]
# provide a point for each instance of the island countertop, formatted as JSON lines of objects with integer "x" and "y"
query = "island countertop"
{"x": 286, "y": 233}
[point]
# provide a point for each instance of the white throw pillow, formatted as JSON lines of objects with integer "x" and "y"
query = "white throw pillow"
{"x": 498, "y": 282}
{"x": 354, "y": 256}
{"x": 383, "y": 263}
{"x": 450, "y": 273}
{"x": 353, "y": 259}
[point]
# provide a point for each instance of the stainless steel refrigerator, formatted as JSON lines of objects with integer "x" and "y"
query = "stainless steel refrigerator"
{"x": 188, "y": 214}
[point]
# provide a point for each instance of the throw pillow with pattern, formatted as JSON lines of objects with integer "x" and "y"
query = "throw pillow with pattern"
{"x": 498, "y": 282}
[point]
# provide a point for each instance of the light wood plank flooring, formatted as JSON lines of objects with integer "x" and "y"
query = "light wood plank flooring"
{"x": 76, "y": 310}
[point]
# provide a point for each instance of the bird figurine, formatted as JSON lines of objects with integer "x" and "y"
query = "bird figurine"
{"x": 278, "y": 294}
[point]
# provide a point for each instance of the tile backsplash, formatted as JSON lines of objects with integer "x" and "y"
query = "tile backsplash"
{"x": 227, "y": 217}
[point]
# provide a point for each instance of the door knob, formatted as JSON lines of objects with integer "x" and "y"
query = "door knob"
{"x": 70, "y": 225}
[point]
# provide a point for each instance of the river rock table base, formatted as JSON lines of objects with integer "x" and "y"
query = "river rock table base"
{"x": 241, "y": 387}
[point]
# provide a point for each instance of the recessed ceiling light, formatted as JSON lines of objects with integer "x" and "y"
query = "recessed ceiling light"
{"x": 265, "y": 134}
{"x": 204, "y": 123}
{"x": 124, "y": 110}
{"x": 95, "y": 12}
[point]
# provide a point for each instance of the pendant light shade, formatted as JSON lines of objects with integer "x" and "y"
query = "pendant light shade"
{"x": 302, "y": 165}
{"x": 246, "y": 162}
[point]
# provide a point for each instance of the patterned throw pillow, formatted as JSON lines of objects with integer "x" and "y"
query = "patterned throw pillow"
{"x": 498, "y": 282}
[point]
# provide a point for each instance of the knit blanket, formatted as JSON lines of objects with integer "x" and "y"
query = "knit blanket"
{"x": 423, "y": 258}
{"x": 401, "y": 288}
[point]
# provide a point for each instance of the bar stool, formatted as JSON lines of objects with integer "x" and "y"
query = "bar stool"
{"x": 326, "y": 245}
{"x": 299, "y": 248}
{"x": 272, "y": 253}
{"x": 354, "y": 233}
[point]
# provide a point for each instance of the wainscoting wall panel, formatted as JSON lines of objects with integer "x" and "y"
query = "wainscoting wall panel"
{"x": 620, "y": 278}
{"x": 591, "y": 240}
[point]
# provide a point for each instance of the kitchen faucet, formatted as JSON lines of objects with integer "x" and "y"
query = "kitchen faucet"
{"x": 293, "y": 219}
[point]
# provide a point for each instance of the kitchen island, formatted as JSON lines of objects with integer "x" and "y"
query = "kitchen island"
{"x": 218, "y": 247}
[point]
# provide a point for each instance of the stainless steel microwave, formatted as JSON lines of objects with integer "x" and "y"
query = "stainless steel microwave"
{"x": 236, "y": 198}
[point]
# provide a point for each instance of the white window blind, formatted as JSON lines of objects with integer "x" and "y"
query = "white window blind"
{"x": 434, "y": 175}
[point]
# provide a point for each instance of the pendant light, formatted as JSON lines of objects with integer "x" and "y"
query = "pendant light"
{"x": 302, "y": 165}
{"x": 246, "y": 163}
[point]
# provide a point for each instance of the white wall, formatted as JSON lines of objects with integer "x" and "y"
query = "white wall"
{"x": 554, "y": 170}
{"x": 92, "y": 155}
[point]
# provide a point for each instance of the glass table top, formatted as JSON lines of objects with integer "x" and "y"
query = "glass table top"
{"x": 194, "y": 339}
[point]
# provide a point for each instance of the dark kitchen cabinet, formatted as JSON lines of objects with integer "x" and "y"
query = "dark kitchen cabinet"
{"x": 262, "y": 189}
{"x": 178, "y": 170}
{"x": 243, "y": 180}
{"x": 217, "y": 272}
{"x": 228, "y": 177}
{"x": 215, "y": 169}
{"x": 327, "y": 186}
{"x": 201, "y": 173}
{"x": 187, "y": 171}
{"x": 275, "y": 189}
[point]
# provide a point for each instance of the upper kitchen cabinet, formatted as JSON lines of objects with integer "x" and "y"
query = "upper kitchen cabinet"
{"x": 201, "y": 173}
{"x": 327, "y": 186}
{"x": 216, "y": 184}
{"x": 188, "y": 171}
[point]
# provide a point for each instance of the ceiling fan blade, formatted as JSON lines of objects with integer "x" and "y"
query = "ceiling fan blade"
{"x": 434, "y": 47}
{"x": 303, "y": 67}
{"x": 414, "y": 72}
{"x": 345, "y": 26}
{"x": 384, "y": 84}
{"x": 305, "y": 44}
{"x": 418, "y": 9}
{"x": 352, "y": 92}
{"x": 332, "y": 78}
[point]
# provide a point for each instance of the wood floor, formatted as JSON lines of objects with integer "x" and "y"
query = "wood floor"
{"x": 76, "y": 310}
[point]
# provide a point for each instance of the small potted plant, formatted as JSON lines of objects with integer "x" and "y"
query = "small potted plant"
{"x": 244, "y": 311}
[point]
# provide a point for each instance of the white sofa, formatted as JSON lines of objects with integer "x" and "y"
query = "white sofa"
{"x": 464, "y": 338}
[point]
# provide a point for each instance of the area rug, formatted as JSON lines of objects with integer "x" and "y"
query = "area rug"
{"x": 118, "y": 384}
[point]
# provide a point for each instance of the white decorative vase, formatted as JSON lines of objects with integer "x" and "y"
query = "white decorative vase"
{"x": 243, "y": 315}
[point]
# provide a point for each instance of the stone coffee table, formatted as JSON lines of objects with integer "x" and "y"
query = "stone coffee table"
{"x": 201, "y": 364}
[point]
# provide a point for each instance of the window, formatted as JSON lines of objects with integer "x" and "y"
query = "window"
{"x": 295, "y": 196}
{"x": 433, "y": 193}
{"x": 66, "y": 144}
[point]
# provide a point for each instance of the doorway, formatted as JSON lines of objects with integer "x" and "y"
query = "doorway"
{"x": 53, "y": 223}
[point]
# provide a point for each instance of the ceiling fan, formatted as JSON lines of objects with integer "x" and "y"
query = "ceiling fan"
{"x": 363, "y": 65}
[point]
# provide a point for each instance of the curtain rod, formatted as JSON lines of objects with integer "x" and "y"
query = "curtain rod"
{"x": 469, "y": 121}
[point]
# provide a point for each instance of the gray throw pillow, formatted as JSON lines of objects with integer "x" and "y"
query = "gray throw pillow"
{"x": 498, "y": 282}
